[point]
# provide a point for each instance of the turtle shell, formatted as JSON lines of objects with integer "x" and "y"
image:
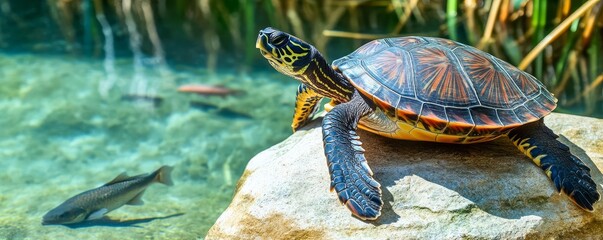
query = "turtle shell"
{"x": 445, "y": 87}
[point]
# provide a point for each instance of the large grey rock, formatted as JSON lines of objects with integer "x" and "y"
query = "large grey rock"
{"x": 430, "y": 190}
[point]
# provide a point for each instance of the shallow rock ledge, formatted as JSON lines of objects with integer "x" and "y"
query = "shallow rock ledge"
{"x": 431, "y": 190}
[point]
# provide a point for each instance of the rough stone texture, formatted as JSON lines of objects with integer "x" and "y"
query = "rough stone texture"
{"x": 430, "y": 190}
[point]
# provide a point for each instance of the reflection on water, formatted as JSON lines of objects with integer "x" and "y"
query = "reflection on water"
{"x": 61, "y": 136}
{"x": 109, "y": 50}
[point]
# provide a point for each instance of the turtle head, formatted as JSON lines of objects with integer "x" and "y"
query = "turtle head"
{"x": 298, "y": 59}
{"x": 286, "y": 53}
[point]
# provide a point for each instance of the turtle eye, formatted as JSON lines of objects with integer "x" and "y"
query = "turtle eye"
{"x": 279, "y": 39}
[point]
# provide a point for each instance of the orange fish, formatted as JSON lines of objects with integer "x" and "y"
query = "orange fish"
{"x": 208, "y": 90}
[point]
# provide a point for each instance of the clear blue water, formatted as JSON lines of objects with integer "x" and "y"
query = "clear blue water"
{"x": 66, "y": 129}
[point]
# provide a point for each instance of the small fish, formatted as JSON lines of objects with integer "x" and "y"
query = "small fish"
{"x": 142, "y": 98}
{"x": 208, "y": 90}
{"x": 95, "y": 203}
{"x": 222, "y": 112}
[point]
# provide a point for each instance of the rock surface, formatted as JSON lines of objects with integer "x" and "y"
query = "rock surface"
{"x": 430, "y": 190}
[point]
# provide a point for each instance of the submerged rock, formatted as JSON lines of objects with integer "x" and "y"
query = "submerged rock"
{"x": 430, "y": 190}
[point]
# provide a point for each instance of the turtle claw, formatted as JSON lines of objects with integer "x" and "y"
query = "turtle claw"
{"x": 362, "y": 213}
{"x": 585, "y": 202}
{"x": 576, "y": 183}
{"x": 363, "y": 207}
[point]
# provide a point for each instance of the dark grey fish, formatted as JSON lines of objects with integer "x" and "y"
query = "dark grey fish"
{"x": 222, "y": 112}
{"x": 95, "y": 203}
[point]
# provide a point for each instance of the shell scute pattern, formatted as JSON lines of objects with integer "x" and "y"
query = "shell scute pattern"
{"x": 547, "y": 101}
{"x": 445, "y": 42}
{"x": 406, "y": 43}
{"x": 431, "y": 116}
{"x": 370, "y": 48}
{"x": 461, "y": 122}
{"x": 387, "y": 96}
{"x": 485, "y": 116}
{"x": 438, "y": 78}
{"x": 442, "y": 86}
{"x": 388, "y": 67}
{"x": 507, "y": 117}
{"x": 490, "y": 81}
{"x": 408, "y": 110}
{"x": 529, "y": 84}
{"x": 524, "y": 114}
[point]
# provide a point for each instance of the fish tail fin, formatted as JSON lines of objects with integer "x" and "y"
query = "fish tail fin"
{"x": 164, "y": 175}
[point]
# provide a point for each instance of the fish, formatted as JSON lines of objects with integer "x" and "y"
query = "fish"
{"x": 220, "y": 111}
{"x": 95, "y": 203}
{"x": 209, "y": 90}
{"x": 155, "y": 101}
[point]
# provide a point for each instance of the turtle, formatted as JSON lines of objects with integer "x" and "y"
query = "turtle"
{"x": 421, "y": 89}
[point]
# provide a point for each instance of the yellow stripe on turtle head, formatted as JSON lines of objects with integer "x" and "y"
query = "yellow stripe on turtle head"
{"x": 286, "y": 53}
{"x": 288, "y": 62}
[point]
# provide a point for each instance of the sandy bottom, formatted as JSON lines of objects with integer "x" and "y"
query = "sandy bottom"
{"x": 67, "y": 126}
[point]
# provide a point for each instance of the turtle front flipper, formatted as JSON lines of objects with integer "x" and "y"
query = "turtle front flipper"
{"x": 306, "y": 103}
{"x": 351, "y": 177}
{"x": 568, "y": 172}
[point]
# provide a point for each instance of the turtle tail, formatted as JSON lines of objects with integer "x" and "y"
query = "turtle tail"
{"x": 569, "y": 174}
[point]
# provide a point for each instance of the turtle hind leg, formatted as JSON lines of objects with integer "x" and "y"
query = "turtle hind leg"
{"x": 568, "y": 172}
{"x": 351, "y": 176}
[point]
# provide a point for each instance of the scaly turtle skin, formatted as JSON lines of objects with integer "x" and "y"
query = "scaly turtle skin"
{"x": 423, "y": 89}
